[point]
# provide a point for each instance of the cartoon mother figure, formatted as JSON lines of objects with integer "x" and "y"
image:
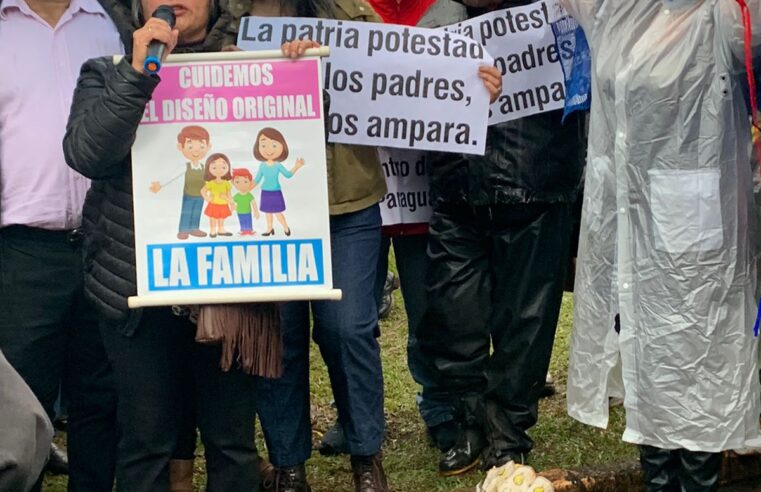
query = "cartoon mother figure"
{"x": 216, "y": 192}
{"x": 270, "y": 149}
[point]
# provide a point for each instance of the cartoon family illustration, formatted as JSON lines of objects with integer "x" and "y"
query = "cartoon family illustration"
{"x": 212, "y": 183}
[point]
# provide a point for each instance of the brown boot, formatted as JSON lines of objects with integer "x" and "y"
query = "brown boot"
{"x": 368, "y": 474}
{"x": 267, "y": 476}
{"x": 181, "y": 476}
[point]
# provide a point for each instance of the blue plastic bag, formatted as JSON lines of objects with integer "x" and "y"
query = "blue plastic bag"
{"x": 577, "y": 70}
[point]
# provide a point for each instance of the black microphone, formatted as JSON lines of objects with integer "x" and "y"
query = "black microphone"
{"x": 156, "y": 49}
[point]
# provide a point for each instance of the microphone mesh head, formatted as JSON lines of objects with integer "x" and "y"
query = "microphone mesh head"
{"x": 165, "y": 13}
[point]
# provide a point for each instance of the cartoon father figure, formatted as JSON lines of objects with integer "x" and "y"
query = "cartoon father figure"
{"x": 193, "y": 142}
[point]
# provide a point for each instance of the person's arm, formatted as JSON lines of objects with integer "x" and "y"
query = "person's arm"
{"x": 25, "y": 432}
{"x": 259, "y": 175}
{"x": 205, "y": 193}
{"x": 289, "y": 174}
{"x": 228, "y": 196}
{"x": 730, "y": 28}
{"x": 255, "y": 208}
{"x": 108, "y": 105}
{"x": 156, "y": 186}
{"x": 492, "y": 79}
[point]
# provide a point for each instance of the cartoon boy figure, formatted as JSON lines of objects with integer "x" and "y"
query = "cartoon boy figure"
{"x": 193, "y": 142}
{"x": 245, "y": 203}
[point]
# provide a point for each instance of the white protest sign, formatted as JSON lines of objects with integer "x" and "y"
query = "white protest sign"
{"x": 391, "y": 86}
{"x": 523, "y": 46}
{"x": 230, "y": 183}
{"x": 408, "y": 198}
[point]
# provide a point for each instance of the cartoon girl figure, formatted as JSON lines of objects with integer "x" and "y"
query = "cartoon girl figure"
{"x": 216, "y": 193}
{"x": 270, "y": 149}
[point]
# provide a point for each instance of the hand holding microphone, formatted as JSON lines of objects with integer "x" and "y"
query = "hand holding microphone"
{"x": 154, "y": 41}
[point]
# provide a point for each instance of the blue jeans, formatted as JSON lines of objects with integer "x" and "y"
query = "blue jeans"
{"x": 411, "y": 263}
{"x": 345, "y": 333}
{"x": 190, "y": 216}
{"x": 246, "y": 224}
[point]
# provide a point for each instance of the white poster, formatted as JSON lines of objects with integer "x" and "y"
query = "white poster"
{"x": 390, "y": 85}
{"x": 523, "y": 46}
{"x": 230, "y": 183}
{"x": 408, "y": 200}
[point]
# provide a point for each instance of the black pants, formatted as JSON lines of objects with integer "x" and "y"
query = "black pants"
{"x": 153, "y": 369}
{"x": 187, "y": 434}
{"x": 412, "y": 262}
{"x": 50, "y": 336}
{"x": 495, "y": 280}
{"x": 680, "y": 470}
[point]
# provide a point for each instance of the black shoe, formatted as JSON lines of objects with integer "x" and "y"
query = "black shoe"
{"x": 333, "y": 442}
{"x": 495, "y": 459}
{"x": 293, "y": 479}
{"x": 368, "y": 474}
{"x": 464, "y": 455}
{"x": 549, "y": 387}
{"x": 444, "y": 435}
{"x": 60, "y": 423}
{"x": 387, "y": 300}
{"x": 384, "y": 309}
{"x": 58, "y": 463}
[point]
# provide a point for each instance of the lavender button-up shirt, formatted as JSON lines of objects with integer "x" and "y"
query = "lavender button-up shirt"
{"x": 40, "y": 66}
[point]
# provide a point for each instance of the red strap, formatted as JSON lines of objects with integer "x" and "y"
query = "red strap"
{"x": 748, "y": 28}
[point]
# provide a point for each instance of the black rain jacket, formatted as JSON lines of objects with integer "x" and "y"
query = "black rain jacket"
{"x": 533, "y": 159}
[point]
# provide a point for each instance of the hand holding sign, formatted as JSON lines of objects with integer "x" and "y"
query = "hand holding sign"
{"x": 492, "y": 81}
{"x": 297, "y": 48}
{"x": 524, "y": 49}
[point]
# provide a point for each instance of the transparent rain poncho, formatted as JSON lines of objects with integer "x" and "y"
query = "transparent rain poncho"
{"x": 669, "y": 232}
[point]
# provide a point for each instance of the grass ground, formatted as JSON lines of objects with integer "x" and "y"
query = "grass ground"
{"x": 410, "y": 462}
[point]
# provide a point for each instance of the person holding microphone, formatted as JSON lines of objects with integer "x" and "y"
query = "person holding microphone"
{"x": 155, "y": 359}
